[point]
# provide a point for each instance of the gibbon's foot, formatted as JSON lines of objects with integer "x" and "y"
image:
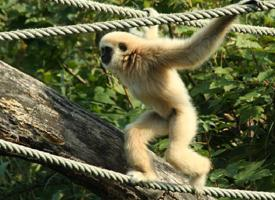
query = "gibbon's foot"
{"x": 190, "y": 163}
{"x": 137, "y": 176}
{"x": 198, "y": 183}
{"x": 199, "y": 195}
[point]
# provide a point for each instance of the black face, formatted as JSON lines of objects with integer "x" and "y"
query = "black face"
{"x": 106, "y": 54}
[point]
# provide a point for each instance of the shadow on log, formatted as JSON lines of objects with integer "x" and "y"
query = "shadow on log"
{"x": 34, "y": 115}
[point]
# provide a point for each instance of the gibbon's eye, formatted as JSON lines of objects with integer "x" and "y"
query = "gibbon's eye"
{"x": 122, "y": 46}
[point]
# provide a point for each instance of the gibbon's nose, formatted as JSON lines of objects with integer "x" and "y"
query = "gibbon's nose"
{"x": 106, "y": 54}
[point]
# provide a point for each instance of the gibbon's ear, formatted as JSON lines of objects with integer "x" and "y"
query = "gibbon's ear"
{"x": 192, "y": 52}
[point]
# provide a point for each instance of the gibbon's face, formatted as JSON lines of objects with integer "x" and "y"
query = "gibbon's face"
{"x": 118, "y": 49}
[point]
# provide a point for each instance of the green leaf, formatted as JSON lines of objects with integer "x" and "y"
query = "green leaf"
{"x": 200, "y": 89}
{"x": 218, "y": 152}
{"x": 229, "y": 87}
{"x": 245, "y": 41}
{"x": 251, "y": 96}
{"x": 266, "y": 74}
{"x": 223, "y": 83}
{"x": 251, "y": 172}
{"x": 233, "y": 168}
{"x": 217, "y": 174}
{"x": 104, "y": 95}
{"x": 147, "y": 3}
{"x": 163, "y": 144}
{"x": 3, "y": 168}
{"x": 224, "y": 71}
{"x": 250, "y": 112}
{"x": 57, "y": 195}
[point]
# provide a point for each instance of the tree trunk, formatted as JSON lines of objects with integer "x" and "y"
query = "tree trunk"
{"x": 34, "y": 115}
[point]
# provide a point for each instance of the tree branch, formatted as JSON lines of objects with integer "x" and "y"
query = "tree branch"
{"x": 34, "y": 115}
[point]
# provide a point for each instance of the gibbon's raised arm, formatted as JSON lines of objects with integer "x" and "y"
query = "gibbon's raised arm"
{"x": 192, "y": 52}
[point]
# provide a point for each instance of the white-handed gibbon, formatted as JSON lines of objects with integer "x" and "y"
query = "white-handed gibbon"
{"x": 148, "y": 67}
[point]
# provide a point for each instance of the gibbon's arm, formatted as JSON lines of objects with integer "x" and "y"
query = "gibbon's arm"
{"x": 192, "y": 52}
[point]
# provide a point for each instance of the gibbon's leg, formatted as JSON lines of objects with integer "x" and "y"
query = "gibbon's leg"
{"x": 182, "y": 129}
{"x": 147, "y": 127}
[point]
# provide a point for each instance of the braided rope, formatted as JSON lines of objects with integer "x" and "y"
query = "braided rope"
{"x": 83, "y": 168}
{"x": 146, "y": 21}
{"x": 103, "y": 7}
{"x": 257, "y": 30}
{"x": 126, "y": 11}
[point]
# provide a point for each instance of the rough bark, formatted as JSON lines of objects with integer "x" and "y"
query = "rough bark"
{"x": 34, "y": 115}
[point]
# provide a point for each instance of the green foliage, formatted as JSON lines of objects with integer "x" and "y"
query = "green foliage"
{"x": 233, "y": 92}
{"x": 23, "y": 180}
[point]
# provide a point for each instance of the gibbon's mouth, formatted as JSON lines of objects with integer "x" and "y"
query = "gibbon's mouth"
{"x": 106, "y": 55}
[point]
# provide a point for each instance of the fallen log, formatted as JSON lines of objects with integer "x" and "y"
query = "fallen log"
{"x": 34, "y": 115}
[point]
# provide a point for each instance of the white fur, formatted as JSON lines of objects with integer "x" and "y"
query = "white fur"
{"x": 149, "y": 69}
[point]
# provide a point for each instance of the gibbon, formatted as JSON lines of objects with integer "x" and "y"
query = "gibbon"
{"x": 148, "y": 67}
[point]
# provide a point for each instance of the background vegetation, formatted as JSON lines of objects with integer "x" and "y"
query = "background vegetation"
{"x": 233, "y": 92}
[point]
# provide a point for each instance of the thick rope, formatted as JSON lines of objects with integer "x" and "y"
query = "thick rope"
{"x": 86, "y": 169}
{"x": 146, "y": 21}
{"x": 126, "y": 11}
{"x": 257, "y": 30}
{"x": 103, "y": 7}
